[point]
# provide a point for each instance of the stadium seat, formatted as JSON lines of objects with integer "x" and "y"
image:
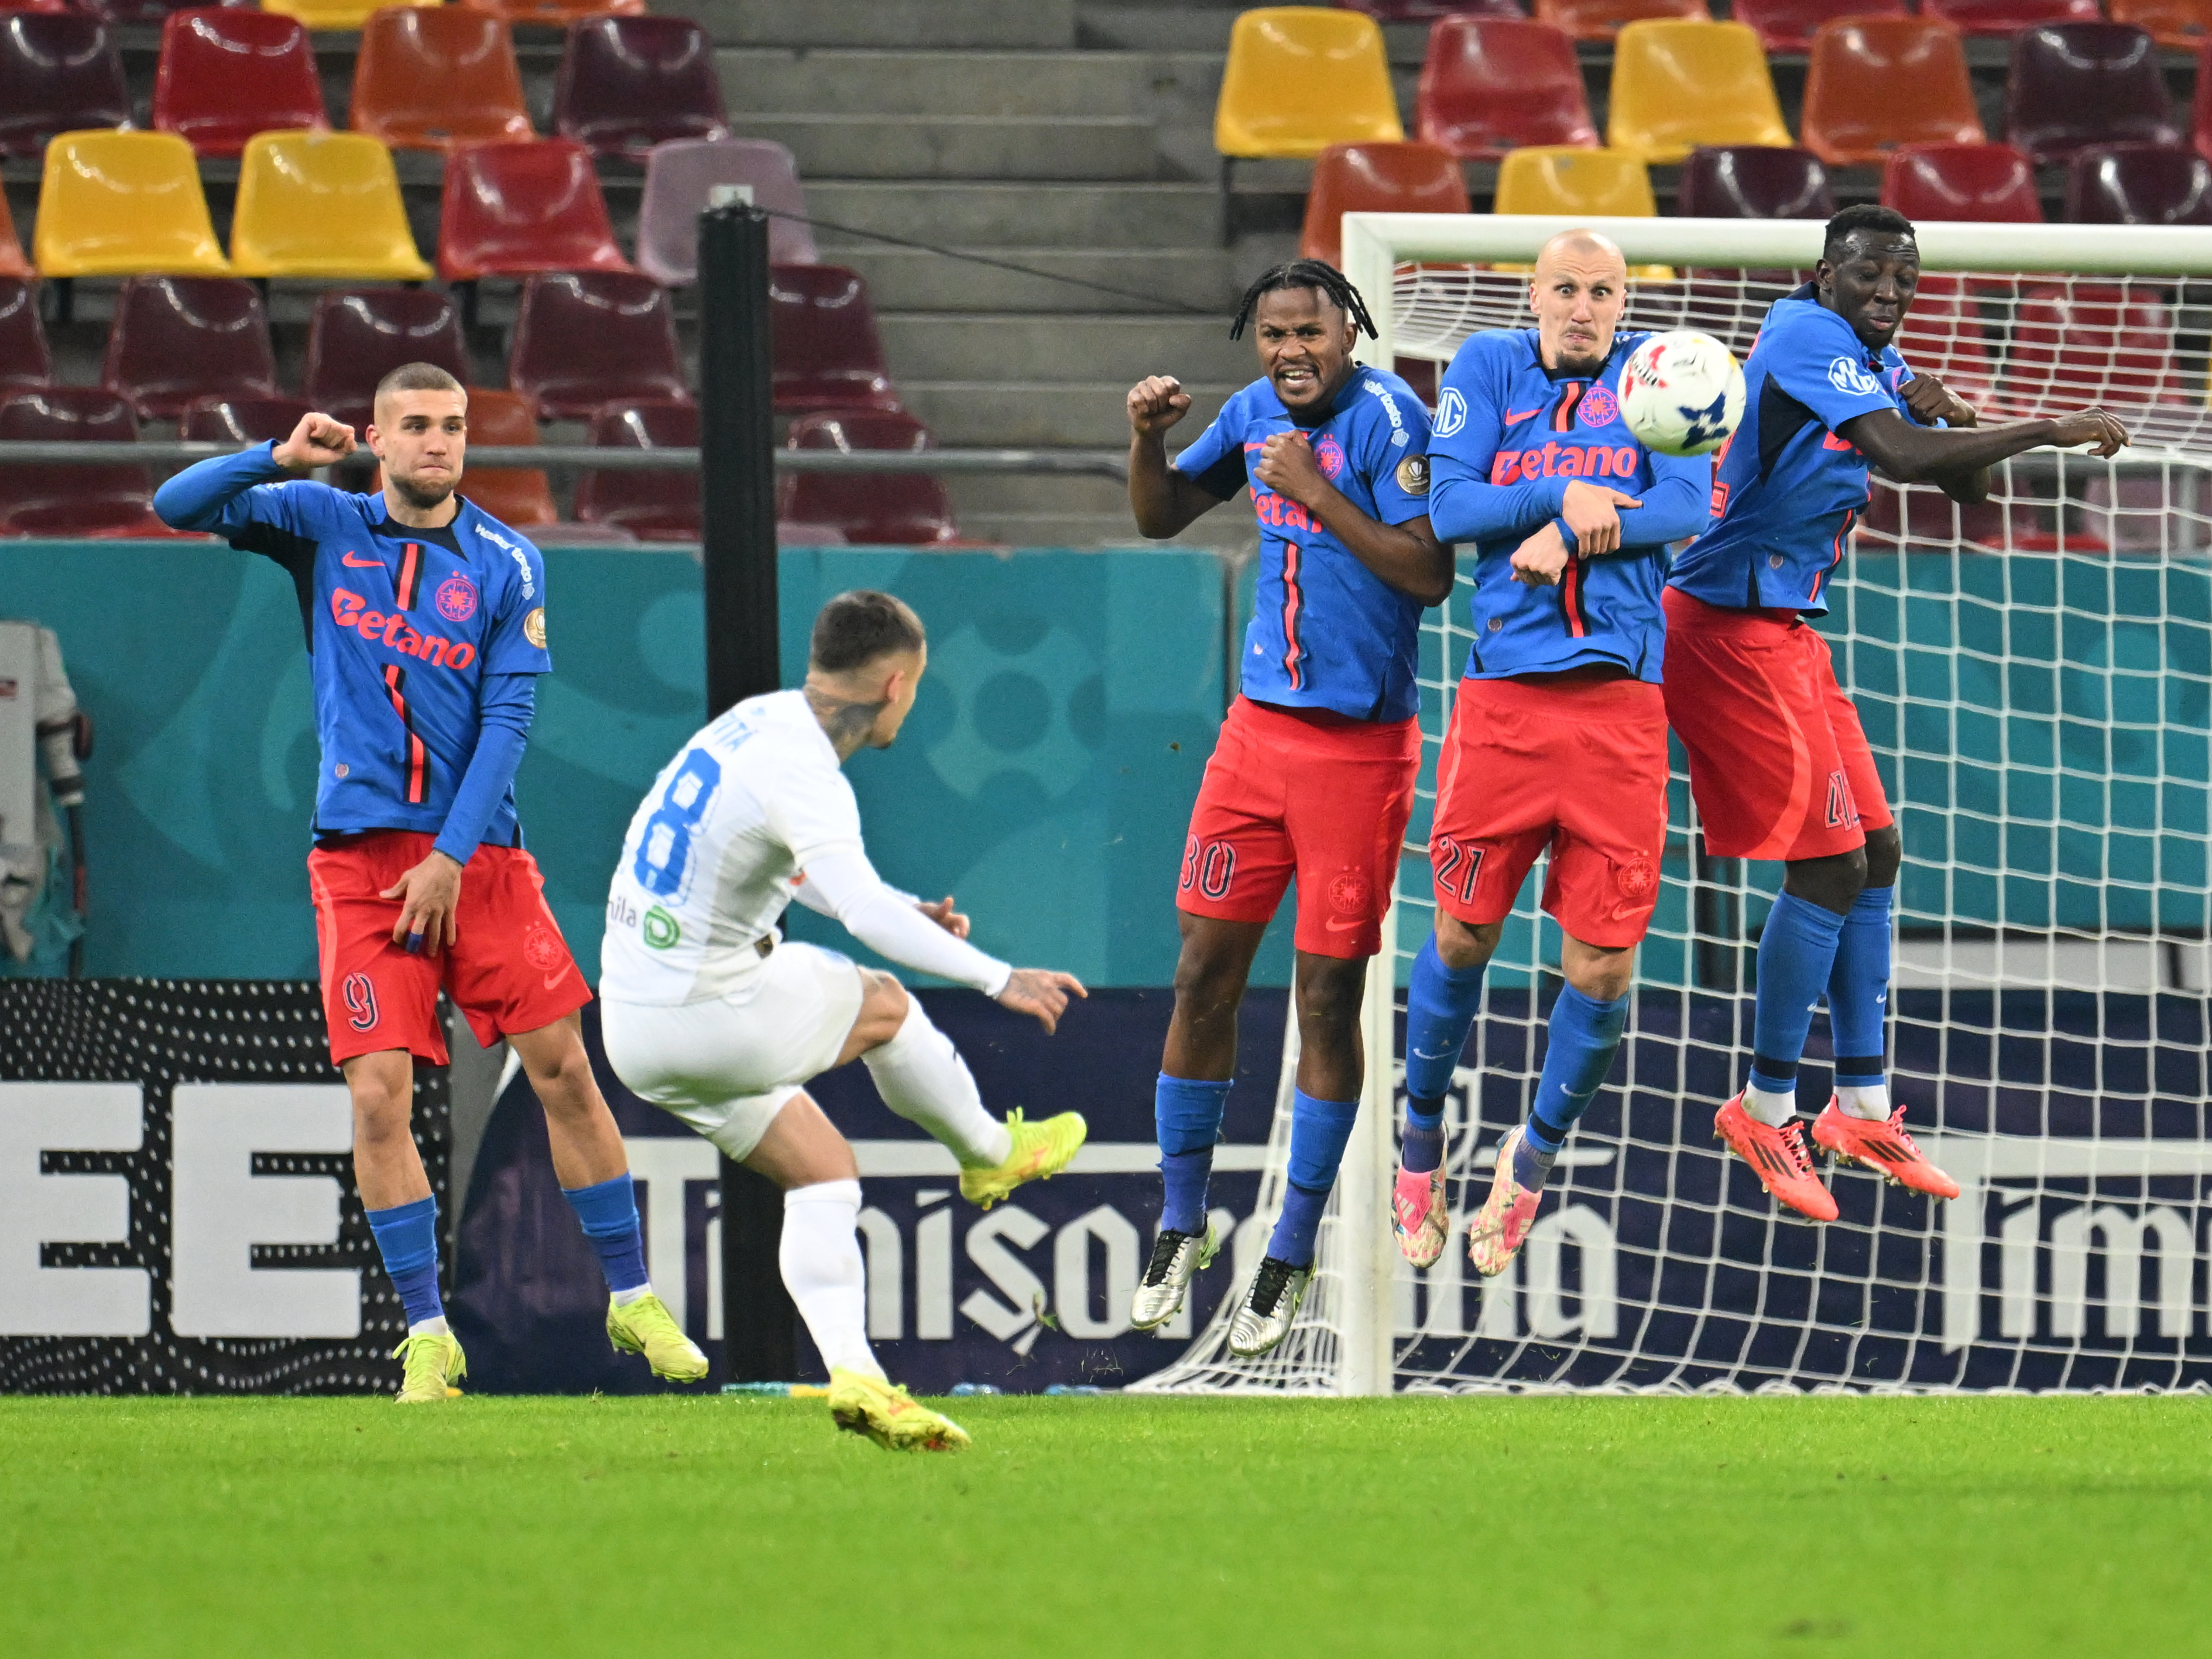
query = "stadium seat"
{"x": 2080, "y": 343}
{"x": 582, "y": 340}
{"x": 654, "y": 507}
{"x": 323, "y": 204}
{"x": 24, "y": 359}
{"x": 2007, "y": 17}
{"x": 358, "y": 336}
{"x": 1429, "y": 11}
{"x": 241, "y": 420}
{"x": 36, "y": 5}
{"x": 1677, "y": 85}
{"x": 437, "y": 77}
{"x": 514, "y": 495}
{"x": 1579, "y": 183}
{"x": 59, "y": 72}
{"x": 178, "y": 338}
{"x": 1299, "y": 78}
{"x": 12, "y": 262}
{"x": 143, "y": 11}
{"x": 1787, "y": 26}
{"x": 2073, "y": 85}
{"x": 1876, "y": 84}
{"x": 1601, "y": 19}
{"x": 679, "y": 177}
{"x": 510, "y": 209}
{"x": 2139, "y": 185}
{"x": 336, "y": 13}
{"x": 38, "y": 499}
{"x": 1375, "y": 178}
{"x": 1491, "y": 84}
{"x": 226, "y": 75}
{"x": 826, "y": 356}
{"x": 1753, "y": 181}
{"x": 2183, "y": 23}
{"x": 628, "y": 83}
{"x": 555, "y": 12}
{"x": 1944, "y": 335}
{"x": 1985, "y": 182}
{"x": 898, "y": 509}
{"x": 117, "y": 203}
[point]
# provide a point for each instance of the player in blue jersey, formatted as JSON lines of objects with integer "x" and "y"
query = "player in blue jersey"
{"x": 1558, "y": 739}
{"x": 1778, "y": 764}
{"x": 1312, "y": 773}
{"x": 425, "y": 620}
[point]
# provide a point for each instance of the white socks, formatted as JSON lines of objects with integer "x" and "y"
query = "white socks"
{"x": 820, "y": 1257}
{"x": 1776, "y": 1110}
{"x": 431, "y": 1328}
{"x": 1771, "y": 1110}
{"x": 923, "y": 1079}
{"x": 624, "y": 1297}
{"x": 1870, "y": 1103}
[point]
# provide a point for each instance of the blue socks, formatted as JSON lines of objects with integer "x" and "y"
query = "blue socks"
{"x": 1858, "y": 990}
{"x": 1187, "y": 1116}
{"x": 1319, "y": 1130}
{"x": 609, "y": 1214}
{"x": 1441, "y": 1003}
{"x": 407, "y": 1238}
{"x": 1583, "y": 1035}
{"x": 1796, "y": 953}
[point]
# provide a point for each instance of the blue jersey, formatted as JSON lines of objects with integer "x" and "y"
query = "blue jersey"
{"x": 1327, "y": 632}
{"x": 403, "y": 627}
{"x": 1787, "y": 490}
{"x": 1510, "y": 436}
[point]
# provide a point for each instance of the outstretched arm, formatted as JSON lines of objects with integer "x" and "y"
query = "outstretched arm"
{"x": 1924, "y": 455}
{"x": 210, "y": 495}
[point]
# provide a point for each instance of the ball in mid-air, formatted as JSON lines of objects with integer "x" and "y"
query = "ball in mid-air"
{"x": 1681, "y": 393}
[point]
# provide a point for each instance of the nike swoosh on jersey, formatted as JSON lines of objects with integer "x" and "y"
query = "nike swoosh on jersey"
{"x": 362, "y": 564}
{"x": 1335, "y": 926}
{"x": 1514, "y": 417}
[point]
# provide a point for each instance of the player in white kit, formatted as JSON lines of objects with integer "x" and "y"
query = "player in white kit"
{"x": 708, "y": 1015}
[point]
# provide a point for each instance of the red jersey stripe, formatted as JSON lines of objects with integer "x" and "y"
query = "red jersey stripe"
{"x": 419, "y": 757}
{"x": 1294, "y": 602}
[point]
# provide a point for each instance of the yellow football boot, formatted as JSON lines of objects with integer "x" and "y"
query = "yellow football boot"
{"x": 433, "y": 1363}
{"x": 646, "y": 1327}
{"x": 889, "y": 1416}
{"x": 1041, "y": 1150}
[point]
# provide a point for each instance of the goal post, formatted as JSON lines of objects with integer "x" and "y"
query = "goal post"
{"x": 2035, "y": 676}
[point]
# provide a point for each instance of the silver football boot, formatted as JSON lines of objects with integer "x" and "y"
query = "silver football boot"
{"x": 1264, "y": 1317}
{"x": 1177, "y": 1258}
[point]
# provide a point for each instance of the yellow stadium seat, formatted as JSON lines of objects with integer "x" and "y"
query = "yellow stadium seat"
{"x": 1578, "y": 184}
{"x": 1301, "y": 78}
{"x": 124, "y": 204}
{"x": 1677, "y": 85}
{"x": 336, "y": 13}
{"x": 321, "y": 204}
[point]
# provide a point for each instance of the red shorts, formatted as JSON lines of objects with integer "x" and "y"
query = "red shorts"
{"x": 1311, "y": 793}
{"x": 1778, "y": 764}
{"x": 1579, "y": 767}
{"x": 510, "y": 971}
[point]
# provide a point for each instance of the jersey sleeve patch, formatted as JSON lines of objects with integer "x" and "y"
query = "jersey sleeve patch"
{"x": 1413, "y": 474}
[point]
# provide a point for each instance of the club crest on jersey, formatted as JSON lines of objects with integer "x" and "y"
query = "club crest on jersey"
{"x": 457, "y": 598}
{"x": 1451, "y": 411}
{"x": 1599, "y": 407}
{"x": 1329, "y": 454}
{"x": 1637, "y": 878}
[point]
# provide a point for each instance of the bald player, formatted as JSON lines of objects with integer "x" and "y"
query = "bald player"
{"x": 1558, "y": 739}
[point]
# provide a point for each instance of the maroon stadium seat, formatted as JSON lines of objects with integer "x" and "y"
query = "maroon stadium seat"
{"x": 2008, "y": 17}
{"x": 1493, "y": 84}
{"x": 77, "y": 501}
{"x": 901, "y": 509}
{"x": 1377, "y": 178}
{"x": 178, "y": 338}
{"x": 226, "y": 75}
{"x": 654, "y": 507}
{"x": 826, "y": 356}
{"x": 628, "y": 83}
{"x": 150, "y": 11}
{"x": 1748, "y": 181}
{"x": 2139, "y": 185}
{"x": 2080, "y": 343}
{"x": 24, "y": 359}
{"x": 1944, "y": 335}
{"x": 1983, "y": 182}
{"x": 241, "y": 420}
{"x": 59, "y": 72}
{"x": 1790, "y": 25}
{"x": 2073, "y": 85}
{"x": 585, "y": 339}
{"x": 359, "y": 335}
{"x": 513, "y": 210}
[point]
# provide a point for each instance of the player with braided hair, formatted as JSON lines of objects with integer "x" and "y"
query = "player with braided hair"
{"x": 1313, "y": 774}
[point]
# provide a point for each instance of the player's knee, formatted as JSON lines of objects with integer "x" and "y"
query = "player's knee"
{"x": 1329, "y": 998}
{"x": 1603, "y": 975}
{"x": 884, "y": 1006}
{"x": 382, "y": 1111}
{"x": 1463, "y": 944}
{"x": 1206, "y": 978}
{"x": 1833, "y": 883}
{"x": 1885, "y": 852}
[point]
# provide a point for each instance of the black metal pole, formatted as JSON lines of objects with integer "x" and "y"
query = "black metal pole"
{"x": 736, "y": 484}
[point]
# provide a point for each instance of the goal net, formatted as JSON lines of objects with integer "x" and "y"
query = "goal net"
{"x": 2035, "y": 676}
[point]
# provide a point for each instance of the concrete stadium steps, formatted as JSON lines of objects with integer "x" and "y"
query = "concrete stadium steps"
{"x": 1044, "y": 415}
{"x": 912, "y": 279}
{"x": 1044, "y": 349}
{"x": 1106, "y": 217}
{"x": 1156, "y": 85}
{"x": 908, "y": 147}
{"x": 933, "y": 24}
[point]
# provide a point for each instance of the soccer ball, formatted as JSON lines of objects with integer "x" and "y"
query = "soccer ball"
{"x": 1681, "y": 393}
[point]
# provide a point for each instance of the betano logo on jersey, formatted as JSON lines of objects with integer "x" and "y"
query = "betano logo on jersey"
{"x": 349, "y": 610}
{"x": 1557, "y": 460}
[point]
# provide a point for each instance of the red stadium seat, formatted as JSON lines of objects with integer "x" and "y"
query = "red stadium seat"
{"x": 24, "y": 359}
{"x": 179, "y": 338}
{"x": 1601, "y": 19}
{"x": 2200, "y": 109}
{"x": 241, "y": 420}
{"x": 2080, "y": 343}
{"x": 1750, "y": 181}
{"x": 900, "y": 509}
{"x": 226, "y": 75}
{"x": 1944, "y": 335}
{"x": 2139, "y": 185}
{"x": 1787, "y": 26}
{"x": 359, "y": 335}
{"x": 1375, "y": 178}
{"x": 2008, "y": 17}
{"x": 2180, "y": 23}
{"x": 514, "y": 209}
{"x": 628, "y": 83}
{"x": 1429, "y": 11}
{"x": 12, "y": 261}
{"x": 1877, "y": 84}
{"x": 654, "y": 507}
{"x": 59, "y": 72}
{"x": 1990, "y": 184}
{"x": 826, "y": 356}
{"x": 680, "y": 175}
{"x": 1490, "y": 84}
{"x": 76, "y": 500}
{"x": 438, "y": 77}
{"x": 148, "y": 11}
{"x": 2073, "y": 85}
{"x": 35, "y": 5}
{"x": 582, "y": 340}
{"x": 554, "y": 13}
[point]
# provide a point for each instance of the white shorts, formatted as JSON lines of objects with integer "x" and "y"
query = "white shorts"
{"x": 726, "y": 1066}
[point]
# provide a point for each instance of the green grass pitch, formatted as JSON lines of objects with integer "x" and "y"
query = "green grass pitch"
{"x": 1207, "y": 1528}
